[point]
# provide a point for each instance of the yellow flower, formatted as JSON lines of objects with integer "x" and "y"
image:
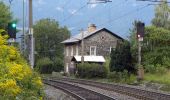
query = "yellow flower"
{"x": 10, "y": 87}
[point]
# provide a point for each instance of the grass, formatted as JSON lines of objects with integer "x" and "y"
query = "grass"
{"x": 158, "y": 78}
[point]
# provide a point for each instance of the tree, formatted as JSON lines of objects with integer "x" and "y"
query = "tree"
{"x": 48, "y": 37}
{"x": 162, "y": 16}
{"x": 5, "y": 15}
{"x": 156, "y": 47}
{"x": 121, "y": 58}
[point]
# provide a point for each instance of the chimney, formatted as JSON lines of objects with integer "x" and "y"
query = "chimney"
{"x": 91, "y": 28}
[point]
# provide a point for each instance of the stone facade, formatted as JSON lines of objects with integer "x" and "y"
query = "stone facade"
{"x": 97, "y": 44}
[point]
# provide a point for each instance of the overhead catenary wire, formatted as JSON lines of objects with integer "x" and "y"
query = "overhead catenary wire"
{"x": 154, "y": 1}
{"x": 124, "y": 15}
{"x": 72, "y": 14}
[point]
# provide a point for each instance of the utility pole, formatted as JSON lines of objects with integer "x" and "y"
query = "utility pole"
{"x": 23, "y": 30}
{"x": 82, "y": 46}
{"x": 140, "y": 35}
{"x": 31, "y": 38}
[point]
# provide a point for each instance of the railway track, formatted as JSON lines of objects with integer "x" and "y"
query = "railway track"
{"x": 127, "y": 90}
{"x": 77, "y": 92}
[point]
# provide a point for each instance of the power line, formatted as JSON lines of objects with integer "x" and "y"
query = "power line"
{"x": 116, "y": 5}
{"x": 72, "y": 14}
{"x": 154, "y": 1}
{"x": 124, "y": 15}
{"x": 93, "y": 17}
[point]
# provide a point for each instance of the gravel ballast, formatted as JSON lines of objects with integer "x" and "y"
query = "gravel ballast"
{"x": 55, "y": 94}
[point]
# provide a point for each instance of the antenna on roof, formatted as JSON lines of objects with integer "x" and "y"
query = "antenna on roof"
{"x": 98, "y": 1}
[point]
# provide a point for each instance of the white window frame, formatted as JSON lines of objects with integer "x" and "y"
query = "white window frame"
{"x": 77, "y": 50}
{"x": 111, "y": 49}
{"x": 67, "y": 51}
{"x": 94, "y": 50}
{"x": 71, "y": 50}
{"x": 67, "y": 68}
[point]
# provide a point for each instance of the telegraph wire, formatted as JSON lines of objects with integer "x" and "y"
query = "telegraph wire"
{"x": 124, "y": 15}
{"x": 154, "y": 1}
{"x": 72, "y": 14}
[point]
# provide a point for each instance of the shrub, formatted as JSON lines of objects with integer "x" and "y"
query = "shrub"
{"x": 156, "y": 69}
{"x": 123, "y": 77}
{"x": 150, "y": 68}
{"x": 17, "y": 80}
{"x": 44, "y": 66}
{"x": 92, "y": 70}
{"x": 58, "y": 65}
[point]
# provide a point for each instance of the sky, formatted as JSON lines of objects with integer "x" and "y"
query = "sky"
{"x": 116, "y": 16}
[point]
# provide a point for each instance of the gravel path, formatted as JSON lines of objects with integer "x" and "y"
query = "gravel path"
{"x": 55, "y": 94}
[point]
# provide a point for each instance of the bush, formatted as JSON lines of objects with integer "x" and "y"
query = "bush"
{"x": 150, "y": 68}
{"x": 156, "y": 69}
{"x": 92, "y": 70}
{"x": 58, "y": 65}
{"x": 123, "y": 77}
{"x": 44, "y": 66}
{"x": 17, "y": 80}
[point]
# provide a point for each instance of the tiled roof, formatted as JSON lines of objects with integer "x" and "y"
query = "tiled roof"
{"x": 78, "y": 37}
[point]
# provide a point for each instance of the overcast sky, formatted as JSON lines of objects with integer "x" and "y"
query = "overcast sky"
{"x": 116, "y": 16}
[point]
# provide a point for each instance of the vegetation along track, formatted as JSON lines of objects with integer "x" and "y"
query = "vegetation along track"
{"x": 123, "y": 89}
{"x": 77, "y": 92}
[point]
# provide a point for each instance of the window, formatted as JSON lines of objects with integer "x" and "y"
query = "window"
{"x": 110, "y": 49}
{"x": 93, "y": 50}
{"x": 67, "y": 50}
{"x": 77, "y": 50}
{"x": 67, "y": 69}
{"x": 71, "y": 50}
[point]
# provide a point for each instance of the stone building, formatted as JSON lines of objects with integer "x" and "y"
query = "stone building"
{"x": 96, "y": 43}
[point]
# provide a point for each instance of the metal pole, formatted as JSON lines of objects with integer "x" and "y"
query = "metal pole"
{"x": 139, "y": 53}
{"x": 23, "y": 30}
{"x": 31, "y": 39}
{"x": 140, "y": 68}
{"x": 82, "y": 46}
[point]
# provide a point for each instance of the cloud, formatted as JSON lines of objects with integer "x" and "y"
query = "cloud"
{"x": 92, "y": 5}
{"x": 72, "y": 11}
{"x": 39, "y": 3}
{"x": 75, "y": 12}
{"x": 59, "y": 9}
{"x": 71, "y": 28}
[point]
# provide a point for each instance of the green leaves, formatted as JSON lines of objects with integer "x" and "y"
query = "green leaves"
{"x": 162, "y": 14}
{"x": 48, "y": 36}
{"x": 5, "y": 15}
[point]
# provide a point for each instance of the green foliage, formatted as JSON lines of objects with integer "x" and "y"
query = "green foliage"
{"x": 123, "y": 77}
{"x": 156, "y": 48}
{"x": 158, "y": 78}
{"x": 58, "y": 65}
{"x": 44, "y": 66}
{"x": 5, "y": 15}
{"x": 17, "y": 80}
{"x": 49, "y": 35}
{"x": 162, "y": 16}
{"x": 106, "y": 65}
{"x": 92, "y": 70}
{"x": 121, "y": 58}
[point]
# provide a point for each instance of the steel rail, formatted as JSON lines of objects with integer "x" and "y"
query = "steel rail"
{"x": 77, "y": 92}
{"x": 123, "y": 89}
